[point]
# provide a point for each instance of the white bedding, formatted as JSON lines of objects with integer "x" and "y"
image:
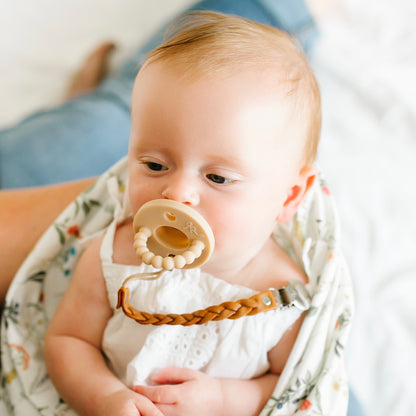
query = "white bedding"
{"x": 366, "y": 65}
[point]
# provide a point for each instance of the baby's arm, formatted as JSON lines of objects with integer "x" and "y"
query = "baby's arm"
{"x": 184, "y": 392}
{"x": 73, "y": 348}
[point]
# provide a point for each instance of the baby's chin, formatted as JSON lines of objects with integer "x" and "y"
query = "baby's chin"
{"x": 223, "y": 264}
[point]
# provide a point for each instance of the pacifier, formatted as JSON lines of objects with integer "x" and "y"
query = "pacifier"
{"x": 169, "y": 234}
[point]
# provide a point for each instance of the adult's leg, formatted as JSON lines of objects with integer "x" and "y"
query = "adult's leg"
{"x": 88, "y": 134}
{"x": 24, "y": 216}
{"x": 79, "y": 139}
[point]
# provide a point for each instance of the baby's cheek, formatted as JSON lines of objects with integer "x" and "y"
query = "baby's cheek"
{"x": 229, "y": 236}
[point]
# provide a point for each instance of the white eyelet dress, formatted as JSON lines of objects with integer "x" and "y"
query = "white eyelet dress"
{"x": 229, "y": 348}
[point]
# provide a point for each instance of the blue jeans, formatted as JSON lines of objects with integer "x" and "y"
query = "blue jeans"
{"x": 86, "y": 135}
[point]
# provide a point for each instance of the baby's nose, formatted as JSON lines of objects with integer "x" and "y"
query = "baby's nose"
{"x": 181, "y": 190}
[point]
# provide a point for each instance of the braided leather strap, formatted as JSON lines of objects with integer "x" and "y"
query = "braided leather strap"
{"x": 260, "y": 302}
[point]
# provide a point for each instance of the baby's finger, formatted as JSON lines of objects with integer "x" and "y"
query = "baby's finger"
{"x": 158, "y": 394}
{"x": 169, "y": 409}
{"x": 147, "y": 408}
{"x": 174, "y": 375}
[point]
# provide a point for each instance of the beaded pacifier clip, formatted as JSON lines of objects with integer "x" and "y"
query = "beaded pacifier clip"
{"x": 168, "y": 235}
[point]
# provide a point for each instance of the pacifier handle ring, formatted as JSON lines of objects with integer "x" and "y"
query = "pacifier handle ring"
{"x": 177, "y": 261}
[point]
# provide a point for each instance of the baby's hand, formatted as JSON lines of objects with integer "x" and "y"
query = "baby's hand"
{"x": 184, "y": 392}
{"x": 126, "y": 402}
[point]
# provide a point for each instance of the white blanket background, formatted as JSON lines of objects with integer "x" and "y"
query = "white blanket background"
{"x": 366, "y": 66}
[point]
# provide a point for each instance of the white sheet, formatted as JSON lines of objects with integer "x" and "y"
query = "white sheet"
{"x": 366, "y": 64}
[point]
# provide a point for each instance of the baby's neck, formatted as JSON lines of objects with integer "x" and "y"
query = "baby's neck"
{"x": 270, "y": 267}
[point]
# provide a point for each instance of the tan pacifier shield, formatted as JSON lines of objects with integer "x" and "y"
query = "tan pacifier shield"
{"x": 169, "y": 234}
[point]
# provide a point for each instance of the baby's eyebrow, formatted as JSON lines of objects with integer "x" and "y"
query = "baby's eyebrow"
{"x": 231, "y": 161}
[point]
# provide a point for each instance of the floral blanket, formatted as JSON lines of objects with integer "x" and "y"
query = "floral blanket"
{"x": 314, "y": 379}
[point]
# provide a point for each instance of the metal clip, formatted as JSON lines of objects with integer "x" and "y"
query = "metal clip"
{"x": 294, "y": 294}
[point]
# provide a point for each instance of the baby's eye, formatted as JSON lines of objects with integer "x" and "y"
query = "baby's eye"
{"x": 218, "y": 179}
{"x": 157, "y": 167}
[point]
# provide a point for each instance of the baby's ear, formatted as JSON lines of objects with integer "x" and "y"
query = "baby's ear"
{"x": 296, "y": 193}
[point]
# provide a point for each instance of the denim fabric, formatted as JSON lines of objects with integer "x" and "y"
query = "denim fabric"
{"x": 88, "y": 134}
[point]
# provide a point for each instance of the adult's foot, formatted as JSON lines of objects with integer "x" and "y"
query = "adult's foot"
{"x": 92, "y": 71}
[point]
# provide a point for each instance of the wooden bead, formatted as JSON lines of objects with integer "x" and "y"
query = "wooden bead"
{"x": 140, "y": 237}
{"x": 196, "y": 251}
{"x": 141, "y": 250}
{"x": 168, "y": 263}
{"x": 157, "y": 262}
{"x": 147, "y": 257}
{"x": 179, "y": 261}
{"x": 139, "y": 243}
{"x": 197, "y": 244}
{"x": 189, "y": 256}
{"x": 145, "y": 231}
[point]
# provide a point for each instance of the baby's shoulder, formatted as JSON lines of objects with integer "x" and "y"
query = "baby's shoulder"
{"x": 276, "y": 268}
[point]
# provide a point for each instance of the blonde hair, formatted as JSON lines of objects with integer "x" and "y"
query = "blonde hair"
{"x": 209, "y": 42}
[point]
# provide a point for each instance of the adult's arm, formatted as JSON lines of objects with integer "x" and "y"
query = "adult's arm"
{"x": 24, "y": 216}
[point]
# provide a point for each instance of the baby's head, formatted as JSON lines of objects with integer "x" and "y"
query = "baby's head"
{"x": 211, "y": 44}
{"x": 225, "y": 118}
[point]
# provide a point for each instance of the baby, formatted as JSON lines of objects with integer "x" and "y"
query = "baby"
{"x": 226, "y": 120}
